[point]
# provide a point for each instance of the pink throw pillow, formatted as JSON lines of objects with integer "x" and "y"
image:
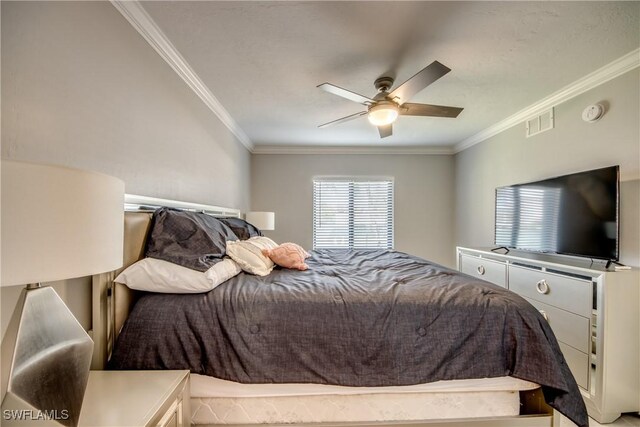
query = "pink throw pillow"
{"x": 288, "y": 255}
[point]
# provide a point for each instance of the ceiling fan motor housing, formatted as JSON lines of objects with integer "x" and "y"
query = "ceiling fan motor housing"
{"x": 383, "y": 84}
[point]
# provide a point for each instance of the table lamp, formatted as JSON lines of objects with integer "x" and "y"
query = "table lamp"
{"x": 57, "y": 223}
{"x": 261, "y": 220}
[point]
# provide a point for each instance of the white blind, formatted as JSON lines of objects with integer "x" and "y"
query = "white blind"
{"x": 353, "y": 213}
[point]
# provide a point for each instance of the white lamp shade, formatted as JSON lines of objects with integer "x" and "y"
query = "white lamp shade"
{"x": 262, "y": 220}
{"x": 58, "y": 223}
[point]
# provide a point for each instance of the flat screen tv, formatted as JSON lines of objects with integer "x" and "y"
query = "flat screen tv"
{"x": 574, "y": 214}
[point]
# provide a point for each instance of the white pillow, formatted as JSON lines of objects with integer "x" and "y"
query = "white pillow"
{"x": 156, "y": 275}
{"x": 248, "y": 254}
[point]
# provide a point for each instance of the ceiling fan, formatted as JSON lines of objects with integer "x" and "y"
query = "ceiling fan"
{"x": 384, "y": 108}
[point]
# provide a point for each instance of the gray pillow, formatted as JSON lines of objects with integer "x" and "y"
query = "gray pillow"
{"x": 241, "y": 228}
{"x": 190, "y": 239}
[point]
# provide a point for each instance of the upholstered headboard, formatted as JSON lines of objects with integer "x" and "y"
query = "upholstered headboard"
{"x": 112, "y": 301}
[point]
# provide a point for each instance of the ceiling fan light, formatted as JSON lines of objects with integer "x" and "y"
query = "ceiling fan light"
{"x": 383, "y": 114}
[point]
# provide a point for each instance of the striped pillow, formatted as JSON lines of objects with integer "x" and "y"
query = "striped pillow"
{"x": 248, "y": 254}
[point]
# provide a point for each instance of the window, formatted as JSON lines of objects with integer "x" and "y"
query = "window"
{"x": 353, "y": 213}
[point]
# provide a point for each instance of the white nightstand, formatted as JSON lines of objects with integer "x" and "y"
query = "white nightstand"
{"x": 136, "y": 399}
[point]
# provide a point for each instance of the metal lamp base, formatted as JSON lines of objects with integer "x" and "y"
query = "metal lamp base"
{"x": 50, "y": 355}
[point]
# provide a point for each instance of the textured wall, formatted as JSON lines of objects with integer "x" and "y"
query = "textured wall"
{"x": 423, "y": 222}
{"x": 572, "y": 146}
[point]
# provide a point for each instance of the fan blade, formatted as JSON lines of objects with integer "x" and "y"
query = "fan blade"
{"x": 415, "y": 84}
{"x": 409, "y": 109}
{"x": 351, "y": 96}
{"x": 385, "y": 131}
{"x": 344, "y": 119}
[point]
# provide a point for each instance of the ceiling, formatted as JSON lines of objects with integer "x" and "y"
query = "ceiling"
{"x": 263, "y": 60}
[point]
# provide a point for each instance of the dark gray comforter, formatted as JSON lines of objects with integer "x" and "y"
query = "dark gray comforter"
{"x": 355, "y": 318}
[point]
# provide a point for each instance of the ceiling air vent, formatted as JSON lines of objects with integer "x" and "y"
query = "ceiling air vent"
{"x": 539, "y": 124}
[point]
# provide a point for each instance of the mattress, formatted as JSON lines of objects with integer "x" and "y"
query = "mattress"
{"x": 216, "y": 401}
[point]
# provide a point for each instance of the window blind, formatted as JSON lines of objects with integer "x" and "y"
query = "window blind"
{"x": 352, "y": 213}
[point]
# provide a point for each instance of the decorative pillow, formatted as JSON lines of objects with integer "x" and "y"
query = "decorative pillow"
{"x": 190, "y": 239}
{"x": 156, "y": 275}
{"x": 288, "y": 255}
{"x": 248, "y": 254}
{"x": 241, "y": 228}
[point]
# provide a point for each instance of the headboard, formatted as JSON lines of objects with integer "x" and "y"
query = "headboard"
{"x": 112, "y": 302}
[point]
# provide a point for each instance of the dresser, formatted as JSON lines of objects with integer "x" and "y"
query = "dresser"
{"x": 136, "y": 399}
{"x": 593, "y": 312}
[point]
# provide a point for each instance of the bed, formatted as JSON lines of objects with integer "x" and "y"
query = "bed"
{"x": 393, "y": 374}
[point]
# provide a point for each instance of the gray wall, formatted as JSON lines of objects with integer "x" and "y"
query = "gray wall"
{"x": 423, "y": 196}
{"x": 573, "y": 145}
{"x": 81, "y": 88}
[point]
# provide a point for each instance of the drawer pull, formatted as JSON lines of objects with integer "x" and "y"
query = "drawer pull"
{"x": 542, "y": 287}
{"x": 545, "y": 315}
{"x": 481, "y": 270}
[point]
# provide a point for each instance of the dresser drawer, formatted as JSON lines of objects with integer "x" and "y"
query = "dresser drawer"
{"x": 485, "y": 269}
{"x": 578, "y": 363}
{"x": 574, "y": 295}
{"x": 569, "y": 328}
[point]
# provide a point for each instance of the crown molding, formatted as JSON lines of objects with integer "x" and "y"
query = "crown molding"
{"x": 133, "y": 11}
{"x": 610, "y": 71}
{"x": 305, "y": 149}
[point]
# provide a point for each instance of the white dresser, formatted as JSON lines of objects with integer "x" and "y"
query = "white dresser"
{"x": 594, "y": 314}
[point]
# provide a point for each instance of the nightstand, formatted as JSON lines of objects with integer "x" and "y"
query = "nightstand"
{"x": 136, "y": 399}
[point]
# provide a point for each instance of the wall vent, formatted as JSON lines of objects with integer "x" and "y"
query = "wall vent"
{"x": 539, "y": 124}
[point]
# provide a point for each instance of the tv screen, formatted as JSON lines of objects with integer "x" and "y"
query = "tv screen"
{"x": 575, "y": 214}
